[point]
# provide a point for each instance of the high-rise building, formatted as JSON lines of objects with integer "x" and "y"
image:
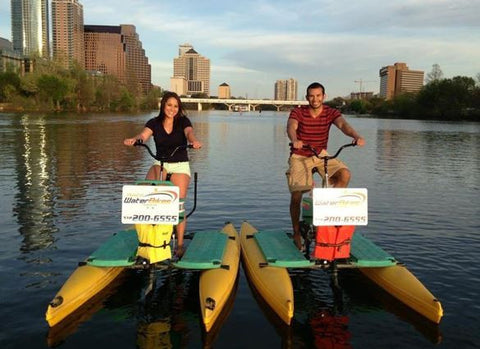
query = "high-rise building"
{"x": 397, "y": 79}
{"x": 67, "y": 32}
{"x": 117, "y": 50}
{"x": 280, "y": 90}
{"x": 286, "y": 90}
{"x": 191, "y": 72}
{"x": 30, "y": 30}
{"x": 292, "y": 90}
{"x": 224, "y": 91}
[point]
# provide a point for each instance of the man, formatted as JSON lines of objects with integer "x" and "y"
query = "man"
{"x": 311, "y": 125}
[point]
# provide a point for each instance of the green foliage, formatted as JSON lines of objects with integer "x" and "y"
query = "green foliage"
{"x": 126, "y": 102}
{"x": 53, "y": 87}
{"x": 337, "y": 102}
{"x": 51, "y": 90}
{"x": 152, "y": 99}
{"x": 359, "y": 106}
{"x": 448, "y": 98}
{"x": 9, "y": 86}
{"x": 405, "y": 105}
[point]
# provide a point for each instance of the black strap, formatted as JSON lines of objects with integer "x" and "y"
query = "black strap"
{"x": 143, "y": 244}
{"x": 325, "y": 244}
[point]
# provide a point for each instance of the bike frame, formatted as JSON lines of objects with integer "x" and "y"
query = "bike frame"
{"x": 326, "y": 159}
{"x": 307, "y": 230}
{"x": 163, "y": 159}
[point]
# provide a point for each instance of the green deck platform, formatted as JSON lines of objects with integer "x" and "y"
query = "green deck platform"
{"x": 205, "y": 251}
{"x": 280, "y": 251}
{"x": 364, "y": 253}
{"x": 119, "y": 250}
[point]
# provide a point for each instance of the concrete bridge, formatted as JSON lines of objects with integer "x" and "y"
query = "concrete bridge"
{"x": 241, "y": 104}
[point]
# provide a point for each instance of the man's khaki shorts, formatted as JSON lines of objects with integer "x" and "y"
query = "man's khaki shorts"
{"x": 299, "y": 173}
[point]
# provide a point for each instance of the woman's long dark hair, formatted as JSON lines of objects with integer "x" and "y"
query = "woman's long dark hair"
{"x": 166, "y": 96}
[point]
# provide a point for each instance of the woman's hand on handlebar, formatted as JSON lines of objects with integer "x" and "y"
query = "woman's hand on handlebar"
{"x": 129, "y": 141}
{"x": 196, "y": 145}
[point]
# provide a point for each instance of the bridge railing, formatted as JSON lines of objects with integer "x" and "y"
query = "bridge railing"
{"x": 241, "y": 101}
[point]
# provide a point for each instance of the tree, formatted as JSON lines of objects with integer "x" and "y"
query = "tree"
{"x": 52, "y": 89}
{"x": 84, "y": 87}
{"x": 435, "y": 75}
{"x": 126, "y": 102}
{"x": 106, "y": 92}
{"x": 447, "y": 98}
{"x": 405, "y": 105}
{"x": 9, "y": 85}
{"x": 337, "y": 102}
{"x": 358, "y": 106}
{"x": 152, "y": 99}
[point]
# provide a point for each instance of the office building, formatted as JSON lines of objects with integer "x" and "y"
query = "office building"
{"x": 30, "y": 30}
{"x": 117, "y": 50}
{"x": 286, "y": 90}
{"x": 397, "y": 79}
{"x": 9, "y": 59}
{"x": 191, "y": 72}
{"x": 361, "y": 95}
{"x": 67, "y": 32}
{"x": 224, "y": 91}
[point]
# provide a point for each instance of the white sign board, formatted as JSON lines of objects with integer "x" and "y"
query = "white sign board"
{"x": 340, "y": 206}
{"x": 150, "y": 204}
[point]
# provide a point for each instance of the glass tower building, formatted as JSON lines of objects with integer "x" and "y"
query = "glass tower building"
{"x": 30, "y": 31}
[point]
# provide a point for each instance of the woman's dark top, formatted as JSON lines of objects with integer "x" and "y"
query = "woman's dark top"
{"x": 167, "y": 142}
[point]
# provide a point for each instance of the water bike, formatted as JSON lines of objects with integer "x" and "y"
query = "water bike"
{"x": 154, "y": 208}
{"x": 329, "y": 219}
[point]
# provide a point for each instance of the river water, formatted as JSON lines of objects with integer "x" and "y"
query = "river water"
{"x": 60, "y": 184}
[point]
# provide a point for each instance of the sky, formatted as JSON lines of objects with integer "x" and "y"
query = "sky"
{"x": 340, "y": 43}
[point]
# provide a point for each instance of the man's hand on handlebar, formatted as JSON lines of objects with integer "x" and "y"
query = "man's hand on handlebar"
{"x": 297, "y": 144}
{"x": 360, "y": 141}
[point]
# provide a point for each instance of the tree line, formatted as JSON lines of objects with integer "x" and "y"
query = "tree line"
{"x": 51, "y": 87}
{"x": 457, "y": 98}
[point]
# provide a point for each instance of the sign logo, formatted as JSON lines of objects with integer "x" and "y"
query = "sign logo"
{"x": 148, "y": 204}
{"x": 340, "y": 206}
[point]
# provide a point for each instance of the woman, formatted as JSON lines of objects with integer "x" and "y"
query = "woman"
{"x": 170, "y": 129}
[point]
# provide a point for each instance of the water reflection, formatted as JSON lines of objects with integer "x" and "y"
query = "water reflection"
{"x": 61, "y": 171}
{"x": 34, "y": 206}
{"x": 163, "y": 315}
{"x": 330, "y": 330}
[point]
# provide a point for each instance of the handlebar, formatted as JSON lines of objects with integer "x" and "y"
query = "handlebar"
{"x": 139, "y": 142}
{"x": 327, "y": 157}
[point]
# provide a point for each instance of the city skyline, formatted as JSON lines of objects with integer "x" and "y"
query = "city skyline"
{"x": 252, "y": 44}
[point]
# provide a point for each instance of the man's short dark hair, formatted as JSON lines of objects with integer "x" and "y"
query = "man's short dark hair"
{"x": 315, "y": 85}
